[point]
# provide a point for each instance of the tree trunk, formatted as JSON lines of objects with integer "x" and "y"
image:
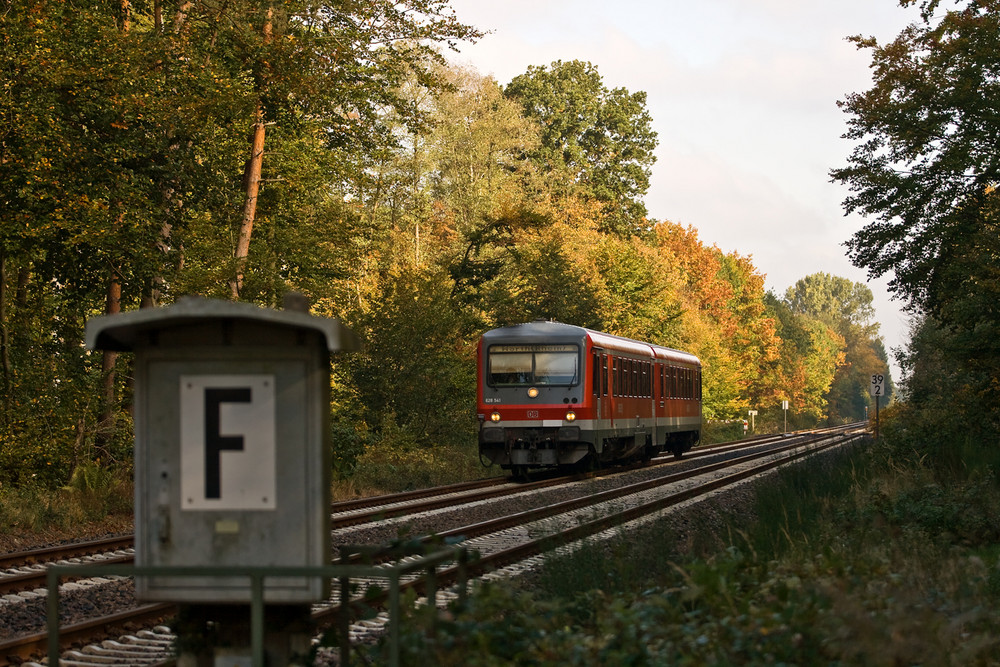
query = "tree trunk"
{"x": 21, "y": 295}
{"x": 106, "y": 422}
{"x": 252, "y": 181}
{"x": 181, "y": 16}
{"x": 126, "y": 7}
{"x": 4, "y": 340}
{"x": 112, "y": 306}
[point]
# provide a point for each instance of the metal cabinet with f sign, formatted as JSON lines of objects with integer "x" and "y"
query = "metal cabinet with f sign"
{"x": 231, "y": 443}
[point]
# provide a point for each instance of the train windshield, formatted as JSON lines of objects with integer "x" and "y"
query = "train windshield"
{"x": 516, "y": 365}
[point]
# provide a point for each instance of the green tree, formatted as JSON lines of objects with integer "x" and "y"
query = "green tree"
{"x": 418, "y": 368}
{"x": 925, "y": 168}
{"x": 925, "y": 162}
{"x": 591, "y": 137}
{"x": 845, "y": 307}
{"x": 125, "y": 157}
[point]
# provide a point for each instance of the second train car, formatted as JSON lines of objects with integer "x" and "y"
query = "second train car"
{"x": 555, "y": 395}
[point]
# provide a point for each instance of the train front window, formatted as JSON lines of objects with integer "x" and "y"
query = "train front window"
{"x": 517, "y": 365}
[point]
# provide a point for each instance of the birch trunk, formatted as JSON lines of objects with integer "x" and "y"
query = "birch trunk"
{"x": 251, "y": 179}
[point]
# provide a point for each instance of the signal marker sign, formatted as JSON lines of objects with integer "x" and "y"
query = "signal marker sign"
{"x": 228, "y": 444}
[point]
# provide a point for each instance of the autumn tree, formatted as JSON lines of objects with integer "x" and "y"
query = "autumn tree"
{"x": 720, "y": 316}
{"x": 803, "y": 372}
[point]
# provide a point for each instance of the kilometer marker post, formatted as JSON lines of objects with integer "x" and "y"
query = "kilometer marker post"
{"x": 877, "y": 389}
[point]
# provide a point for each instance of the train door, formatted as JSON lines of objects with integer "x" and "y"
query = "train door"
{"x": 605, "y": 410}
{"x": 659, "y": 405}
{"x": 600, "y": 382}
{"x": 611, "y": 395}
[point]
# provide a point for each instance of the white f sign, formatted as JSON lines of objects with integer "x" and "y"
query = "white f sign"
{"x": 877, "y": 387}
{"x": 227, "y": 442}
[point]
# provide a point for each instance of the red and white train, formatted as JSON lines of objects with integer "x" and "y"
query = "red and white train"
{"x": 557, "y": 395}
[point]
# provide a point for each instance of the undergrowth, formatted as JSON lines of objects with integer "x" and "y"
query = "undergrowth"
{"x": 92, "y": 495}
{"x": 881, "y": 555}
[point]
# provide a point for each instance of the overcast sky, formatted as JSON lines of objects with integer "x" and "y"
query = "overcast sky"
{"x": 743, "y": 98}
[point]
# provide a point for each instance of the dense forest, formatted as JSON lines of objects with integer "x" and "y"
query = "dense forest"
{"x": 243, "y": 149}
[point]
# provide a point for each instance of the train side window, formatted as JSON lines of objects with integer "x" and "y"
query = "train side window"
{"x": 620, "y": 384}
{"x": 620, "y": 377}
{"x": 602, "y": 390}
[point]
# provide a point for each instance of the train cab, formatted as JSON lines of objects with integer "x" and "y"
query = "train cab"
{"x": 558, "y": 395}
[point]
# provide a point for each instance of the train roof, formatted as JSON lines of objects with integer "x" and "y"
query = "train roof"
{"x": 545, "y": 330}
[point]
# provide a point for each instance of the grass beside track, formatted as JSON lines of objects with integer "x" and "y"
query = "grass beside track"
{"x": 873, "y": 556}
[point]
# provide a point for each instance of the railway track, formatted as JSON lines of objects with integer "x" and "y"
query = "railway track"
{"x": 501, "y": 540}
{"x": 25, "y": 570}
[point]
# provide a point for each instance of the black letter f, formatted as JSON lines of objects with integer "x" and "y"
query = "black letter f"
{"x": 215, "y": 443}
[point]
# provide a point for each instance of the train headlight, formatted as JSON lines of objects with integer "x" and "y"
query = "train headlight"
{"x": 533, "y": 392}
{"x": 570, "y": 416}
{"x": 495, "y": 417}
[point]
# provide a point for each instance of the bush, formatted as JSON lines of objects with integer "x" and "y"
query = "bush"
{"x": 394, "y": 460}
{"x": 93, "y": 495}
{"x": 713, "y": 432}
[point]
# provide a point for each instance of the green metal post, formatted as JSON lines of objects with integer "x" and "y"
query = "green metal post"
{"x": 257, "y": 618}
{"x": 52, "y": 581}
{"x": 463, "y": 576}
{"x": 394, "y": 619}
{"x": 344, "y": 619}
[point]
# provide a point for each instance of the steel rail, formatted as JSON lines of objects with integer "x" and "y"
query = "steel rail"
{"x": 126, "y": 541}
{"x": 499, "y": 559}
{"x": 63, "y": 551}
{"x": 374, "y": 510}
{"x": 27, "y": 646}
{"x": 35, "y": 644}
